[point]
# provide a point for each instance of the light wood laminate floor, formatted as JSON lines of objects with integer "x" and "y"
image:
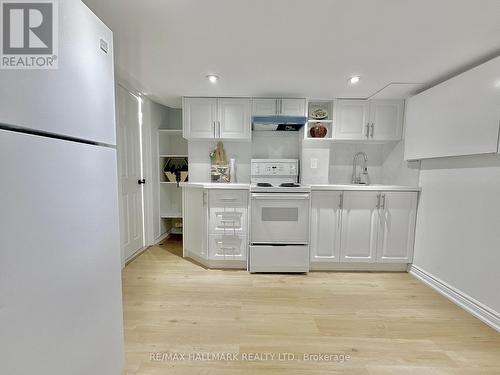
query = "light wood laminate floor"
{"x": 388, "y": 323}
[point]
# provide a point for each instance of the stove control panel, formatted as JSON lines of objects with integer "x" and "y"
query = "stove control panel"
{"x": 274, "y": 168}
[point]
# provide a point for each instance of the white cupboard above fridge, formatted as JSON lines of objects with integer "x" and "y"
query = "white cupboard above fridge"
{"x": 217, "y": 118}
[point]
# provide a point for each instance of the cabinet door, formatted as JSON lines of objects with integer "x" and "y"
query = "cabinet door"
{"x": 386, "y": 119}
{"x": 351, "y": 119}
{"x": 264, "y": 107}
{"x": 360, "y": 226}
{"x": 293, "y": 107}
{"x": 398, "y": 214}
{"x": 235, "y": 118}
{"x": 326, "y": 216}
{"x": 227, "y": 247}
{"x": 199, "y": 117}
{"x": 228, "y": 220}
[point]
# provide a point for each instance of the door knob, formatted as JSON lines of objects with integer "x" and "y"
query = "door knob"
{"x": 141, "y": 182}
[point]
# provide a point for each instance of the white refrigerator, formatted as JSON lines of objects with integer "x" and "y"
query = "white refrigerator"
{"x": 60, "y": 267}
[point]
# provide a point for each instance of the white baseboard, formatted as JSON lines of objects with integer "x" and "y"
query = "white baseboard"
{"x": 469, "y": 304}
{"x": 163, "y": 237}
{"x": 352, "y": 266}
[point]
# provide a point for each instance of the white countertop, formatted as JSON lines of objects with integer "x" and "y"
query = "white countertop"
{"x": 238, "y": 186}
{"x": 373, "y": 187}
{"x": 214, "y": 185}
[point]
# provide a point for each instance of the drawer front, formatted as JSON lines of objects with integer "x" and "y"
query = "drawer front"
{"x": 228, "y": 221}
{"x": 228, "y": 198}
{"x": 279, "y": 259}
{"x": 227, "y": 247}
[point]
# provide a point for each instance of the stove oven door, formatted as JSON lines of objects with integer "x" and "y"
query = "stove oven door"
{"x": 280, "y": 218}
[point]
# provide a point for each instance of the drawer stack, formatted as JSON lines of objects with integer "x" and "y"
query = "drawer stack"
{"x": 228, "y": 225}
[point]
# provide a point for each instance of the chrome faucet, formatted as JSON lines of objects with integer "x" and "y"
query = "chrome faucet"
{"x": 361, "y": 178}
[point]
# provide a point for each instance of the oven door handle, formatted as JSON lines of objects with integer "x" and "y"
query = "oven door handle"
{"x": 280, "y": 196}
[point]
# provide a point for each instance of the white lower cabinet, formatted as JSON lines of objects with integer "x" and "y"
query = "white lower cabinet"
{"x": 227, "y": 226}
{"x": 326, "y": 211}
{"x": 397, "y": 227}
{"x": 362, "y": 226}
{"x": 227, "y": 247}
{"x": 230, "y": 221}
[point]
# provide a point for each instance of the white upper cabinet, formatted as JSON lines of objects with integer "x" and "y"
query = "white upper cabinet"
{"x": 292, "y": 107}
{"x": 360, "y": 226}
{"x": 326, "y": 213}
{"x": 265, "y": 107}
{"x": 367, "y": 120}
{"x": 351, "y": 119}
{"x": 273, "y": 106}
{"x": 199, "y": 117}
{"x": 397, "y": 223}
{"x": 211, "y": 118}
{"x": 386, "y": 119}
{"x": 234, "y": 118}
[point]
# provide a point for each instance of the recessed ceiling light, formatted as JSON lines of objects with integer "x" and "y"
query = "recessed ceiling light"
{"x": 354, "y": 79}
{"x": 213, "y": 78}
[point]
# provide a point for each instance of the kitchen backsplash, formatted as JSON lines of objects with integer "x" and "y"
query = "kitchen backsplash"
{"x": 386, "y": 164}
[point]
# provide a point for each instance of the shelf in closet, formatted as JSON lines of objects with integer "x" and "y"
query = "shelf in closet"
{"x": 171, "y": 215}
{"x": 173, "y": 131}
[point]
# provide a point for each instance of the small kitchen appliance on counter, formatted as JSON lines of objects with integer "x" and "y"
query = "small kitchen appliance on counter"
{"x": 279, "y": 206}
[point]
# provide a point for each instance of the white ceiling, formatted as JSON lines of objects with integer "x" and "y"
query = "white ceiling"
{"x": 305, "y": 48}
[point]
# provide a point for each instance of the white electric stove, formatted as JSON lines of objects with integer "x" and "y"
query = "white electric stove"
{"x": 279, "y": 235}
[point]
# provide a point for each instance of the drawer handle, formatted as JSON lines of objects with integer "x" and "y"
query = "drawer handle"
{"x": 227, "y": 199}
{"x": 228, "y": 221}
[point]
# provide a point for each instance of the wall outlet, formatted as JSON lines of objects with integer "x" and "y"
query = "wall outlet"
{"x": 314, "y": 163}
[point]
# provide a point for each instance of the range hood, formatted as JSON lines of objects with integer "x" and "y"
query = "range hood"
{"x": 278, "y": 123}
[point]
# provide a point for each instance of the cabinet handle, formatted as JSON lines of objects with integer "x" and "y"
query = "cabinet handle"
{"x": 227, "y": 199}
{"x": 367, "y": 130}
{"x": 383, "y": 201}
{"x": 378, "y": 201}
{"x": 219, "y": 129}
{"x": 214, "y": 130}
{"x": 373, "y": 126}
{"x": 341, "y": 201}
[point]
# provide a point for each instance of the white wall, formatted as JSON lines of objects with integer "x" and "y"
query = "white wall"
{"x": 264, "y": 145}
{"x": 155, "y": 116}
{"x": 385, "y": 162}
{"x": 458, "y": 225}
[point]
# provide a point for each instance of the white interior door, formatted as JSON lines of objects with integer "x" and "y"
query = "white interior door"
{"x": 129, "y": 172}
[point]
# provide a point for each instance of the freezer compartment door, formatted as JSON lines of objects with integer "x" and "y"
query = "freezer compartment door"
{"x": 279, "y": 258}
{"x": 60, "y": 268}
{"x": 77, "y": 98}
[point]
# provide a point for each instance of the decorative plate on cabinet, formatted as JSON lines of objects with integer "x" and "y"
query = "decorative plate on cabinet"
{"x": 319, "y": 114}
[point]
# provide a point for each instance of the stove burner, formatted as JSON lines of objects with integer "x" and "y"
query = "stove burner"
{"x": 289, "y": 184}
{"x": 264, "y": 184}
